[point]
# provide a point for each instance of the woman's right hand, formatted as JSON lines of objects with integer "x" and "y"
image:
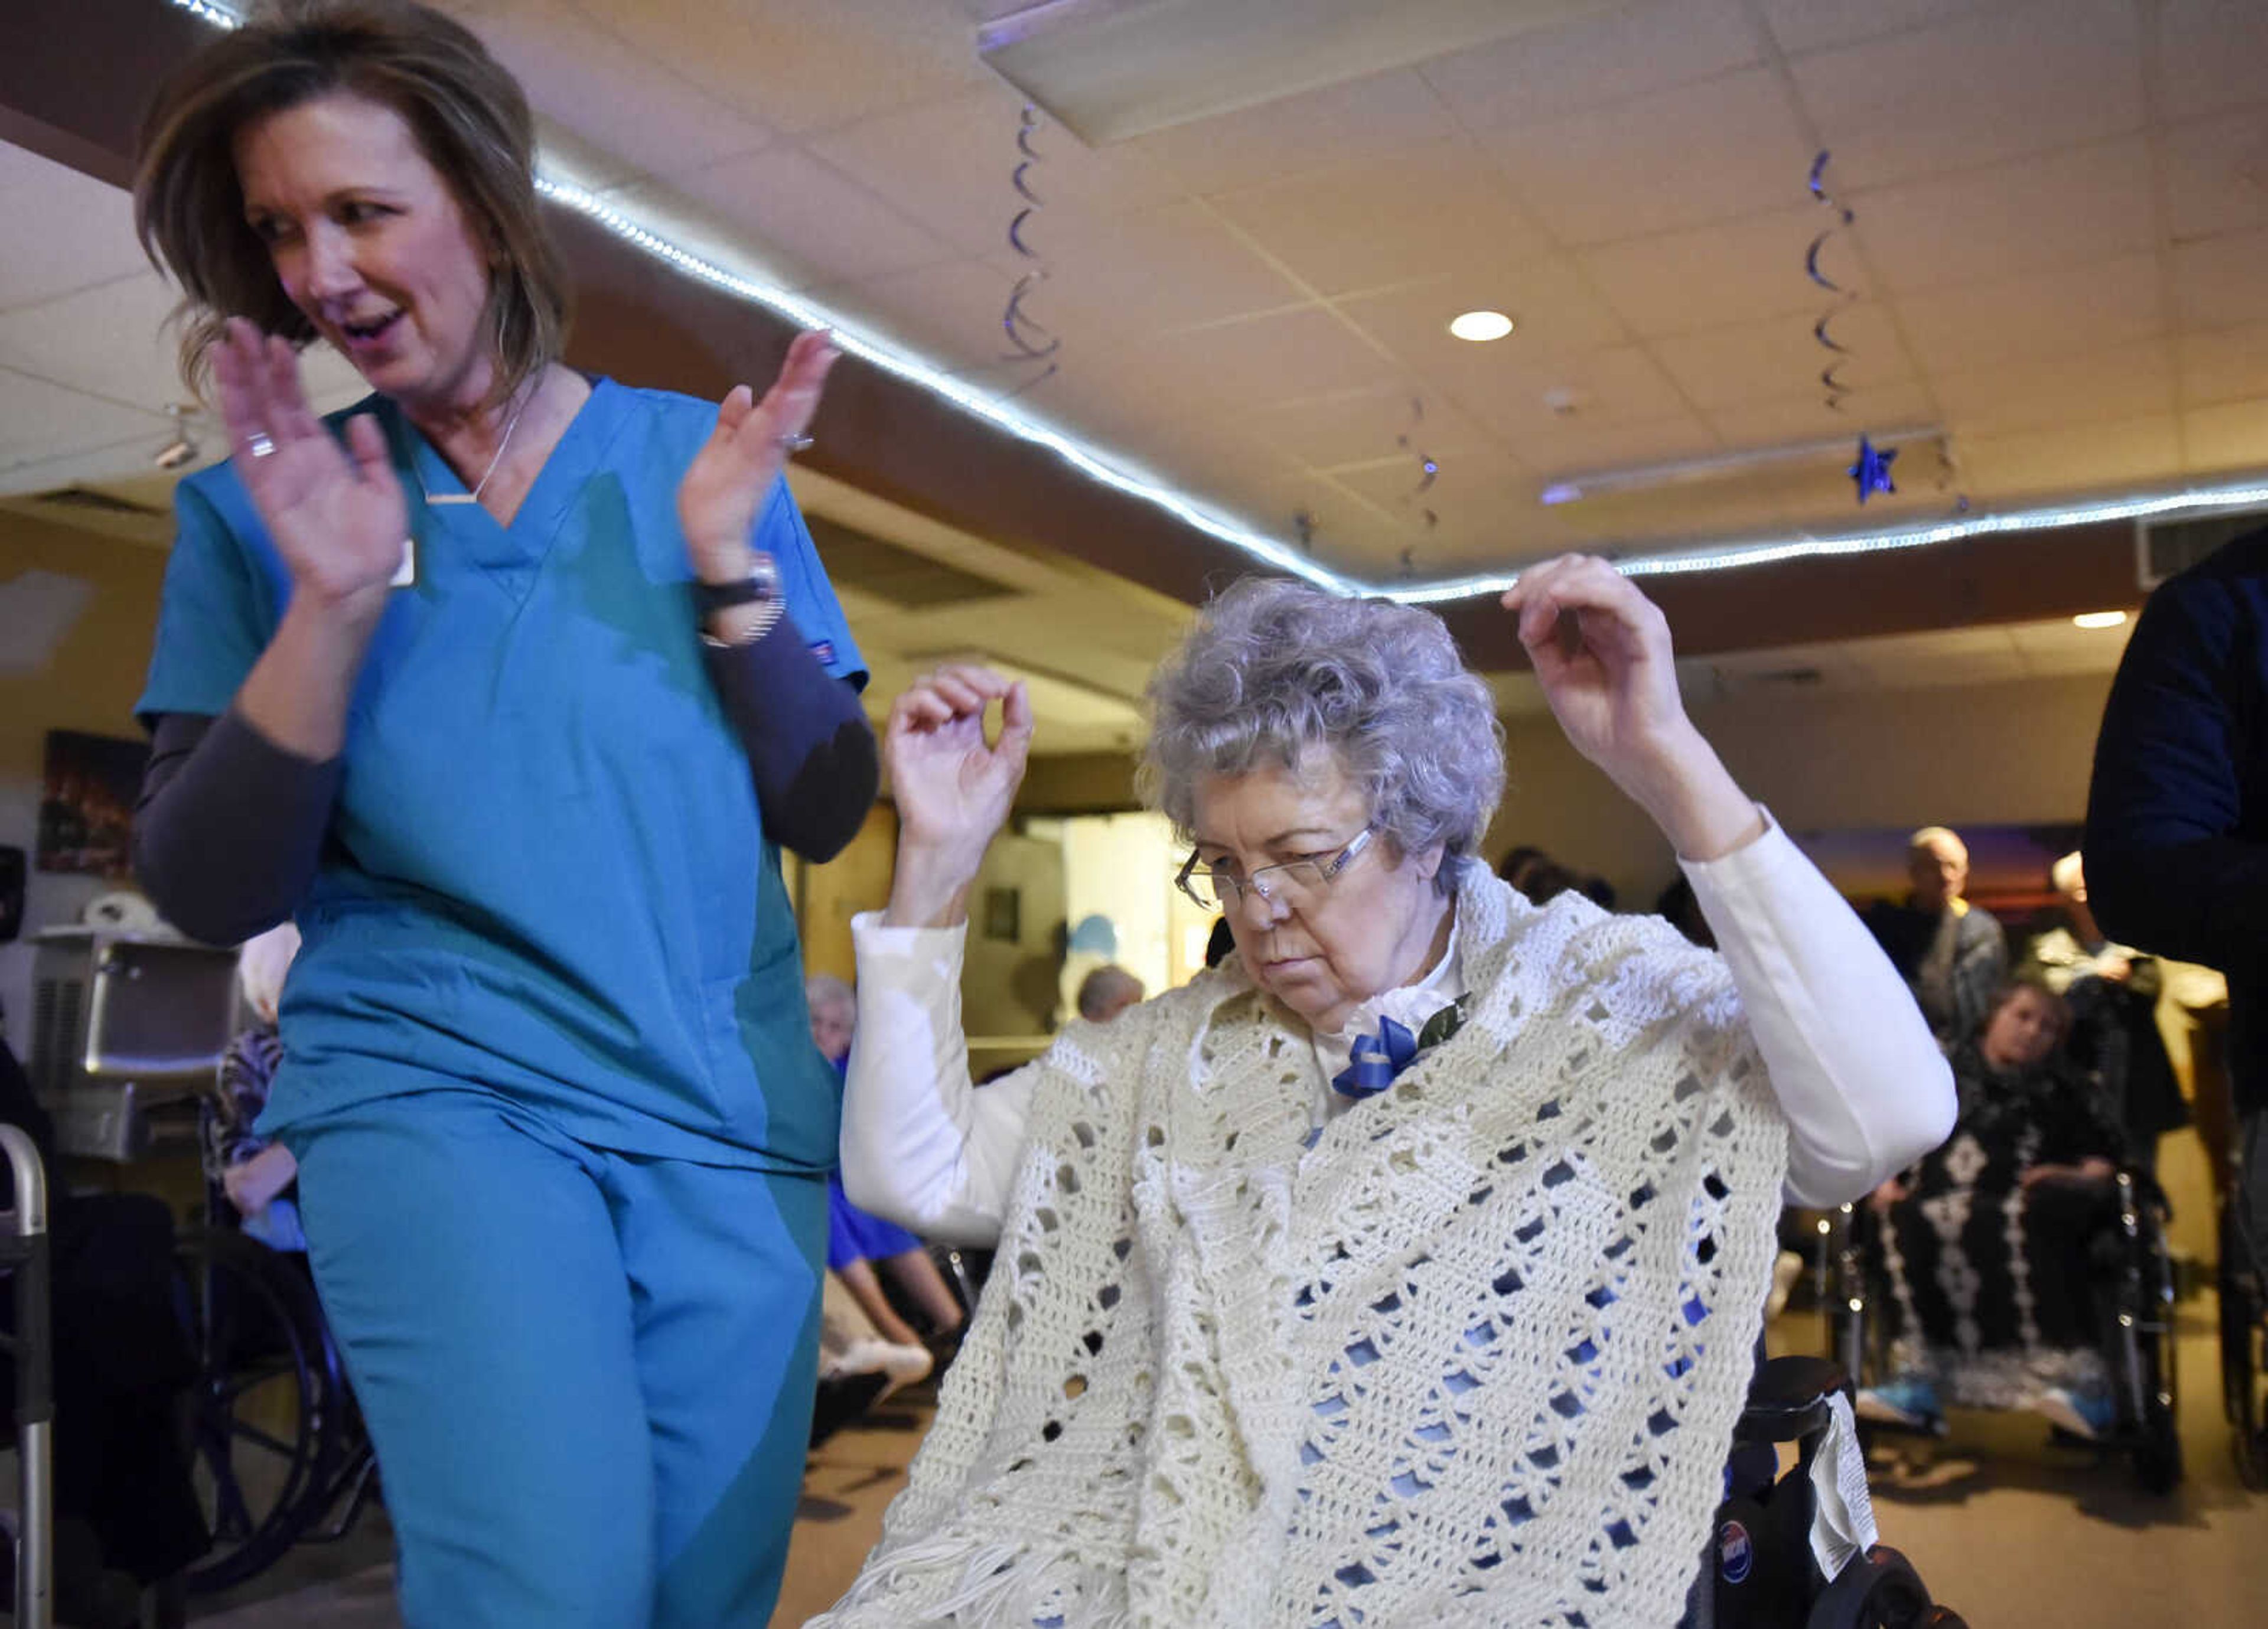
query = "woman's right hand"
{"x": 952, "y": 787}
{"x": 338, "y": 517}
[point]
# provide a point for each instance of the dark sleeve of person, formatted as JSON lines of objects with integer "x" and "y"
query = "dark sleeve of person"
{"x": 2165, "y": 870}
{"x": 810, "y": 750}
{"x": 229, "y": 827}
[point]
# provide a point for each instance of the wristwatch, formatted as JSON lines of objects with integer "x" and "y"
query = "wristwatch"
{"x": 760, "y": 587}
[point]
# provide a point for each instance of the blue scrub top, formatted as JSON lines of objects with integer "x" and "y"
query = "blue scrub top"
{"x": 546, "y": 874}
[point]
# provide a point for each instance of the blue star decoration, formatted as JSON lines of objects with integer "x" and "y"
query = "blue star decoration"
{"x": 1871, "y": 472}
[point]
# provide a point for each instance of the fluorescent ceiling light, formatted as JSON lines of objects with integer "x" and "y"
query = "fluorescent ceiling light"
{"x": 2099, "y": 619}
{"x": 1481, "y": 325}
{"x": 1005, "y": 415}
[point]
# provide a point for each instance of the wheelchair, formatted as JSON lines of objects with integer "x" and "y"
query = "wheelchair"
{"x": 280, "y": 1455}
{"x": 1760, "y": 1571}
{"x": 2242, "y": 1281}
{"x": 2136, "y": 1290}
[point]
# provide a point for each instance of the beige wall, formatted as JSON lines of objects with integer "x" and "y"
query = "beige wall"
{"x": 90, "y": 683}
{"x": 1977, "y": 753}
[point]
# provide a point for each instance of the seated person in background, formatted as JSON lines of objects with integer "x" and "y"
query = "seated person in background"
{"x": 1108, "y": 992}
{"x": 255, "y": 1172}
{"x": 2112, "y": 990}
{"x": 1953, "y": 956}
{"x": 1986, "y": 1244}
{"x": 1417, "y": 1254}
{"x": 856, "y": 1240}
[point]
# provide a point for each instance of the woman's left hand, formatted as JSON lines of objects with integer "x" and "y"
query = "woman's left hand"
{"x": 717, "y": 500}
{"x": 1601, "y": 652}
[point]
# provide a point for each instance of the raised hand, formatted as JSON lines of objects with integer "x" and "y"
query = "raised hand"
{"x": 952, "y": 787}
{"x": 1602, "y": 655}
{"x": 718, "y": 499}
{"x": 336, "y": 515}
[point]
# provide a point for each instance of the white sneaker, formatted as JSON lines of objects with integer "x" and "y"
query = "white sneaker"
{"x": 904, "y": 1365}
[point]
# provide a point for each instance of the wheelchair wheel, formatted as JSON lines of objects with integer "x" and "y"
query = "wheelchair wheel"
{"x": 2143, "y": 1349}
{"x": 269, "y": 1397}
{"x": 2243, "y": 1352}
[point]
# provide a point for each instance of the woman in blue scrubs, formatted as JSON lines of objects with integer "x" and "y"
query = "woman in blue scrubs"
{"x": 507, "y": 684}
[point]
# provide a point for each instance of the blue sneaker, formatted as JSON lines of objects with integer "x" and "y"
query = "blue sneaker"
{"x": 2089, "y": 1414}
{"x": 1911, "y": 1403}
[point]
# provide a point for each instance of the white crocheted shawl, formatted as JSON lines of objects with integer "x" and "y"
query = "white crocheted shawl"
{"x": 1474, "y": 1357}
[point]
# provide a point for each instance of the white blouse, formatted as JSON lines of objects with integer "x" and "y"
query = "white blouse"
{"x": 1861, "y": 1082}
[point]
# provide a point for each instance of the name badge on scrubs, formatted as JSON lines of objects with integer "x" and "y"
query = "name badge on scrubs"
{"x": 405, "y": 575}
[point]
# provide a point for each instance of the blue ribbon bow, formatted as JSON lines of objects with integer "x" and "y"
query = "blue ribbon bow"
{"x": 1374, "y": 1060}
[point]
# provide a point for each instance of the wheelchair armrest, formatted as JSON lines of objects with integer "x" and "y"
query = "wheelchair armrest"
{"x": 1787, "y": 1399}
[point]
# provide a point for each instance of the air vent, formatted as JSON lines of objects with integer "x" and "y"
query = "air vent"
{"x": 856, "y": 559}
{"x": 2164, "y": 548}
{"x": 100, "y": 503}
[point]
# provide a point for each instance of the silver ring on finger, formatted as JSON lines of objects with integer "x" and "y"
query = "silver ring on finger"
{"x": 261, "y": 446}
{"x": 792, "y": 445}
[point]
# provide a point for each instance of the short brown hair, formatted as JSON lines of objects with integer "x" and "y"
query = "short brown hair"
{"x": 468, "y": 114}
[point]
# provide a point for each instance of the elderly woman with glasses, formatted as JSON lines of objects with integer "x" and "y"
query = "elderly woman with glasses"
{"x": 1413, "y": 1262}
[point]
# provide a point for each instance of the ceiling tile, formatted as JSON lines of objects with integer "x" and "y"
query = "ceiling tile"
{"x": 1251, "y": 363}
{"x": 1363, "y": 426}
{"x": 2230, "y": 435}
{"x": 85, "y": 232}
{"x": 1172, "y": 267}
{"x": 2218, "y": 282}
{"x": 2225, "y": 364}
{"x": 814, "y": 224}
{"x": 642, "y": 116}
{"x": 1523, "y": 399}
{"x": 41, "y": 421}
{"x": 1420, "y": 212}
{"x": 1807, "y": 418}
{"x": 2087, "y": 458}
{"x": 2211, "y": 52}
{"x": 2072, "y": 208}
{"x": 1772, "y": 360}
{"x": 1802, "y": 25}
{"x": 1629, "y": 51}
{"x": 951, "y": 165}
{"x": 797, "y": 69}
{"x": 950, "y": 314}
{"x": 2112, "y": 303}
{"x": 1703, "y": 152}
{"x": 2125, "y": 382}
{"x": 1555, "y": 309}
{"x": 1714, "y": 276}
{"x": 108, "y": 340}
{"x": 2217, "y": 175}
{"x": 1360, "y": 119}
{"x": 1977, "y": 89}
{"x": 1573, "y": 445}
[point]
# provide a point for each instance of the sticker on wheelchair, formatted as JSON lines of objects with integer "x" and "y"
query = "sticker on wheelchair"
{"x": 1736, "y": 1553}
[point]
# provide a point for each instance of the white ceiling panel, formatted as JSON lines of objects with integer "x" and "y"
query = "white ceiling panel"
{"x": 2089, "y": 203}
{"x": 1254, "y": 363}
{"x": 1978, "y": 89}
{"x": 1713, "y": 276}
{"x": 66, "y": 230}
{"x": 1801, "y": 26}
{"x": 2091, "y": 457}
{"x": 1623, "y": 386}
{"x": 1769, "y": 361}
{"x": 1697, "y": 153}
{"x": 1551, "y": 301}
{"x": 109, "y": 341}
{"x": 40, "y": 420}
{"x": 1795, "y": 418}
{"x": 2217, "y": 175}
{"x": 1167, "y": 267}
{"x": 2229, "y": 435}
{"x": 952, "y": 313}
{"x": 1361, "y": 119}
{"x": 2218, "y": 283}
{"x": 2211, "y": 53}
{"x": 830, "y": 227}
{"x": 2227, "y": 365}
{"x": 2125, "y": 382}
{"x": 1418, "y": 213}
{"x": 1631, "y": 50}
{"x": 1576, "y": 444}
{"x": 2087, "y": 309}
{"x": 1363, "y": 426}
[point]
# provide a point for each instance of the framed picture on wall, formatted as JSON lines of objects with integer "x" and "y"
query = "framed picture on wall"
{"x": 87, "y": 807}
{"x": 1004, "y": 914}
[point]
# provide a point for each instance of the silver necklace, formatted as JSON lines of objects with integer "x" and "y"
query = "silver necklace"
{"x": 473, "y": 497}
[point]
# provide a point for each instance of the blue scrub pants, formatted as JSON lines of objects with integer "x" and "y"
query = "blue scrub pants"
{"x": 588, "y": 1374}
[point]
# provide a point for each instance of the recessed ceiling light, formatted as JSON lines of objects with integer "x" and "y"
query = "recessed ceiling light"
{"x": 2100, "y": 619}
{"x": 1481, "y": 325}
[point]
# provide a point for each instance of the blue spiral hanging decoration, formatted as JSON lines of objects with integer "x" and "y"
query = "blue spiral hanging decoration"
{"x": 1030, "y": 341}
{"x": 1839, "y": 354}
{"x": 1429, "y": 470}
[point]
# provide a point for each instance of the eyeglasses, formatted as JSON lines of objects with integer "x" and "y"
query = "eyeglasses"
{"x": 1297, "y": 883}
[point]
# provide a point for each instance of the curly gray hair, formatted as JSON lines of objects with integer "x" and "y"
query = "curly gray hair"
{"x": 1275, "y": 667}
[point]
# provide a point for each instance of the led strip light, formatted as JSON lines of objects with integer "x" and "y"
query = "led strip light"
{"x": 1283, "y": 557}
